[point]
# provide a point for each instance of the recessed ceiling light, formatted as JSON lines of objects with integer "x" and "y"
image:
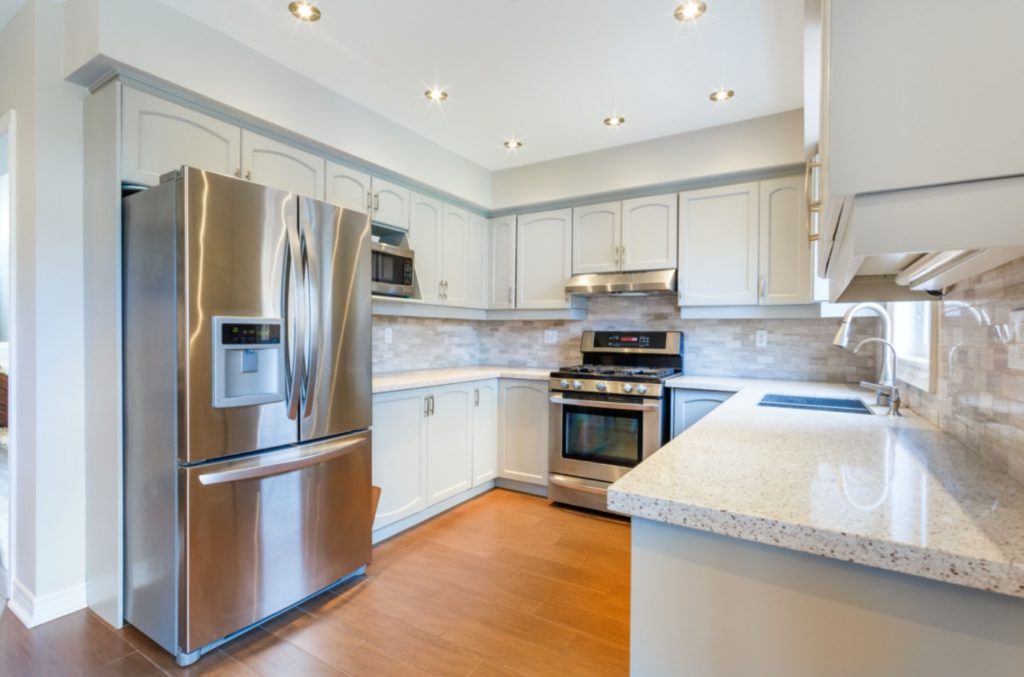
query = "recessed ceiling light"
{"x": 436, "y": 94}
{"x": 691, "y": 10}
{"x": 615, "y": 121}
{"x": 720, "y": 95}
{"x": 513, "y": 144}
{"x": 306, "y": 11}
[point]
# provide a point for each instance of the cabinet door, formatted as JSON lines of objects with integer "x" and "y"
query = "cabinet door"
{"x": 650, "y": 226}
{"x": 718, "y": 246}
{"x": 455, "y": 255}
{"x": 159, "y": 137}
{"x": 596, "y": 238}
{"x": 543, "y": 259}
{"x": 399, "y": 454}
{"x": 391, "y": 204}
{"x": 450, "y": 442}
{"x": 348, "y": 188}
{"x": 523, "y": 425}
{"x": 690, "y": 406}
{"x": 485, "y": 432}
{"x": 503, "y": 263}
{"x": 785, "y": 250}
{"x": 479, "y": 260}
{"x": 425, "y": 241}
{"x": 278, "y": 165}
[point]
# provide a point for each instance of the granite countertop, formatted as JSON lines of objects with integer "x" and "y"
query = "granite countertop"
{"x": 427, "y": 378}
{"x": 897, "y": 494}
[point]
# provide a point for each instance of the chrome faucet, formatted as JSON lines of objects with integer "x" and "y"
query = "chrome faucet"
{"x": 891, "y": 390}
{"x": 887, "y": 372}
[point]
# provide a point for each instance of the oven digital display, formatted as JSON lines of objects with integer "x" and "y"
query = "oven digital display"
{"x": 239, "y": 333}
{"x": 638, "y": 340}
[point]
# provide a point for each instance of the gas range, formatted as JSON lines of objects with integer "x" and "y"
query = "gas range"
{"x": 609, "y": 413}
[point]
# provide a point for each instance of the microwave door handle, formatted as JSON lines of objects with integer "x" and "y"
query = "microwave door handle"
{"x": 604, "y": 404}
{"x": 294, "y": 311}
{"x": 311, "y": 278}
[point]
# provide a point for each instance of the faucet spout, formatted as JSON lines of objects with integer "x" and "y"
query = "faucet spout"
{"x": 842, "y": 338}
{"x": 889, "y": 387}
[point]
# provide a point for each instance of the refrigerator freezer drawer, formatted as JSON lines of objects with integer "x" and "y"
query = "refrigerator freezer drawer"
{"x": 264, "y": 532}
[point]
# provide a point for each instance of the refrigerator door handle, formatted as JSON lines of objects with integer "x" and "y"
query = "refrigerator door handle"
{"x": 311, "y": 280}
{"x": 295, "y": 315}
{"x": 250, "y": 470}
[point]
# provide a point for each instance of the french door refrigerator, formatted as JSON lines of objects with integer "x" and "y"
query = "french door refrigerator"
{"x": 247, "y": 400}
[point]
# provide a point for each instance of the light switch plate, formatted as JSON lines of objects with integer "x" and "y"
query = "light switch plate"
{"x": 761, "y": 338}
{"x": 1016, "y": 346}
{"x": 550, "y": 336}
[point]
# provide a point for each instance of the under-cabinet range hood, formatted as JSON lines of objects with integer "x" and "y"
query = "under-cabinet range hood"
{"x": 644, "y": 283}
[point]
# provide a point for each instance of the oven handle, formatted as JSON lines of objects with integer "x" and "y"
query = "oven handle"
{"x": 604, "y": 404}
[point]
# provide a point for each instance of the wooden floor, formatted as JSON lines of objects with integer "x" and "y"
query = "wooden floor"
{"x": 503, "y": 585}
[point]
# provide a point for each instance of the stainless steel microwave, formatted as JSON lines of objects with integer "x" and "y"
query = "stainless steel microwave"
{"x": 392, "y": 270}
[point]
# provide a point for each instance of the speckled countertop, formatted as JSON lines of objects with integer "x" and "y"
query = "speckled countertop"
{"x": 896, "y": 494}
{"x": 428, "y": 378}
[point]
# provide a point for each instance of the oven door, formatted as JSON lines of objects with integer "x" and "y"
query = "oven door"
{"x": 602, "y": 439}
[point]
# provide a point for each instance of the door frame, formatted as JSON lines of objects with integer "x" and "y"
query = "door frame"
{"x": 8, "y": 127}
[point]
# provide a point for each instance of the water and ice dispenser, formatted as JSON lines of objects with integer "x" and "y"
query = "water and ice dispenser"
{"x": 248, "y": 361}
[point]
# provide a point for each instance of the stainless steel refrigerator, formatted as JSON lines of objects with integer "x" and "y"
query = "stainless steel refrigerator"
{"x": 247, "y": 400}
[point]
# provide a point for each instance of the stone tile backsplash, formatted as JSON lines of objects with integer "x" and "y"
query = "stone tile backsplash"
{"x": 979, "y": 399}
{"x": 797, "y": 349}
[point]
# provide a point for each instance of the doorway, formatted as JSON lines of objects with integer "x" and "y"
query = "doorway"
{"x": 6, "y": 260}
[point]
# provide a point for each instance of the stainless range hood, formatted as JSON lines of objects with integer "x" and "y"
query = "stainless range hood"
{"x": 644, "y": 283}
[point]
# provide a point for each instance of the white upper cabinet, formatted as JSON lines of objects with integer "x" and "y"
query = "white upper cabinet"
{"x": 502, "y": 286}
{"x": 485, "y": 432}
{"x": 450, "y": 442}
{"x": 399, "y": 454}
{"x": 455, "y": 256}
{"x": 649, "y": 233}
{"x": 426, "y": 223}
{"x": 391, "y": 204}
{"x": 596, "y": 238}
{"x": 785, "y": 251}
{"x": 348, "y": 188}
{"x": 718, "y": 246}
{"x": 543, "y": 259}
{"x": 278, "y": 165}
{"x": 479, "y": 261}
{"x": 159, "y": 137}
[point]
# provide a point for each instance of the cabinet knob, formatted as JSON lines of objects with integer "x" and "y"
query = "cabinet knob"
{"x": 376, "y": 202}
{"x": 238, "y": 172}
{"x": 248, "y": 175}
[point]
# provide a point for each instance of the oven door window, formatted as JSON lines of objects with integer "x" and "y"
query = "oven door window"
{"x": 602, "y": 435}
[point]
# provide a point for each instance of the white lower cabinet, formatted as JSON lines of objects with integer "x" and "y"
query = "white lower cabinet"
{"x": 432, "y": 444}
{"x": 485, "y": 432}
{"x": 399, "y": 454}
{"x": 523, "y": 431}
{"x": 690, "y": 406}
{"x": 449, "y": 442}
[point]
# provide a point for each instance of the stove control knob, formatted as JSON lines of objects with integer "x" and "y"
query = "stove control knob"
{"x": 602, "y": 386}
{"x": 577, "y": 385}
{"x": 627, "y": 388}
{"x": 641, "y": 389}
{"x": 563, "y": 383}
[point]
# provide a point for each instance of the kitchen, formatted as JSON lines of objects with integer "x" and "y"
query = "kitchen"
{"x": 725, "y": 245}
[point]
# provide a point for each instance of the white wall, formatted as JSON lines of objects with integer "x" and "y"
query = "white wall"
{"x": 150, "y": 37}
{"x": 772, "y": 141}
{"x": 5, "y": 252}
{"x": 48, "y": 369}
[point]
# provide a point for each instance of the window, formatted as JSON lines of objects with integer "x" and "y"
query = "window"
{"x": 915, "y": 336}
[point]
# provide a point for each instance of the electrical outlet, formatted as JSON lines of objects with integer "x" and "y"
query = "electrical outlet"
{"x": 761, "y": 338}
{"x": 1016, "y": 345}
{"x": 550, "y": 336}
{"x": 388, "y": 338}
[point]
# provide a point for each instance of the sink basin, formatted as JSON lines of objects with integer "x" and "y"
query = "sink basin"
{"x": 845, "y": 405}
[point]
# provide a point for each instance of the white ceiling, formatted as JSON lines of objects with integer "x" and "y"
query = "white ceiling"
{"x": 545, "y": 71}
{"x": 8, "y": 8}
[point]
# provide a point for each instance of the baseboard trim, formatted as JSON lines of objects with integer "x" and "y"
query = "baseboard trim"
{"x": 521, "y": 487}
{"x": 33, "y": 611}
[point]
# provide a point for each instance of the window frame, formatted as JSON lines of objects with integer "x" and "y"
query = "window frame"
{"x": 921, "y": 372}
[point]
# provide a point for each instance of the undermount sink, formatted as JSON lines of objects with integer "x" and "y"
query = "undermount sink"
{"x": 845, "y": 405}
